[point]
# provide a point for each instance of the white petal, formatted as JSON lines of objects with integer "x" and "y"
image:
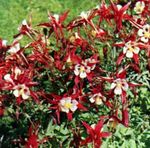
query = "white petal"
{"x": 4, "y": 43}
{"x": 7, "y": 77}
{"x": 146, "y": 28}
{"x": 76, "y": 72}
{"x": 92, "y": 100}
{"x": 119, "y": 7}
{"x": 129, "y": 54}
{"x": 136, "y": 50}
{"x": 88, "y": 69}
{"x": 118, "y": 91}
{"x": 62, "y": 102}
{"x": 25, "y": 96}
{"x": 145, "y": 40}
{"x": 24, "y": 22}
{"x": 68, "y": 100}
{"x": 63, "y": 109}
{"x": 113, "y": 85}
{"x": 124, "y": 49}
{"x": 73, "y": 108}
{"x": 16, "y": 93}
{"x": 140, "y": 32}
{"x": 56, "y": 16}
{"x": 125, "y": 87}
{"x": 83, "y": 75}
{"x": 74, "y": 102}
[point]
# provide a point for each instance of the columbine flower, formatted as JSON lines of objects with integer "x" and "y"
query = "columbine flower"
{"x": 139, "y": 7}
{"x": 95, "y": 134}
{"x": 17, "y": 72}
{"x": 119, "y": 85}
{"x": 24, "y": 26}
{"x": 130, "y": 49}
{"x": 97, "y": 99}
{"x": 56, "y": 16}
{"x": 67, "y": 104}
{"x": 81, "y": 70}
{"x": 144, "y": 33}
{"x": 21, "y": 90}
{"x": 8, "y": 78}
{"x": 14, "y": 49}
{"x": 85, "y": 15}
{"x": 3, "y": 43}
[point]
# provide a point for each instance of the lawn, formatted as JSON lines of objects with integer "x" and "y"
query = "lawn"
{"x": 12, "y": 12}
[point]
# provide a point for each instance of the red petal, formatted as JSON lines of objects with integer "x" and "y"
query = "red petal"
{"x": 88, "y": 128}
{"x": 69, "y": 116}
{"x": 125, "y": 117}
{"x": 136, "y": 58}
{"x": 105, "y": 134}
{"x": 123, "y": 97}
{"x": 63, "y": 16}
{"x": 98, "y": 127}
{"x": 120, "y": 58}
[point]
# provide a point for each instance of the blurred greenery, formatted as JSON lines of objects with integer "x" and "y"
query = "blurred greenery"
{"x": 12, "y": 12}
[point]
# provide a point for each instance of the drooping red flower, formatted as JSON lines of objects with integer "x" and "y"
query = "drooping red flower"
{"x": 95, "y": 134}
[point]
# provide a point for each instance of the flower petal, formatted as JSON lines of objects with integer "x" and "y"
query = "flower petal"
{"x": 129, "y": 54}
{"x": 140, "y": 32}
{"x": 83, "y": 75}
{"x": 113, "y": 85}
{"x": 144, "y": 39}
{"x": 118, "y": 91}
{"x": 25, "y": 96}
{"x": 16, "y": 93}
{"x": 136, "y": 50}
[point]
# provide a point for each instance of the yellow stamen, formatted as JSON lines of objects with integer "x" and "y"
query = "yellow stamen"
{"x": 147, "y": 34}
{"x": 98, "y": 100}
{"x": 67, "y": 105}
{"x": 82, "y": 69}
{"x": 119, "y": 84}
{"x": 131, "y": 48}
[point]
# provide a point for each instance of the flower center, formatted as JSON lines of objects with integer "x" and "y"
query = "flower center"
{"x": 68, "y": 105}
{"x": 98, "y": 100}
{"x": 131, "y": 49}
{"x": 119, "y": 84}
{"x": 82, "y": 69}
{"x": 147, "y": 34}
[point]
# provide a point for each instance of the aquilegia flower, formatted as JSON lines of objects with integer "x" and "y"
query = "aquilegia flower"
{"x": 21, "y": 90}
{"x": 67, "y": 104}
{"x": 97, "y": 98}
{"x": 14, "y": 49}
{"x": 144, "y": 33}
{"x": 130, "y": 49}
{"x": 119, "y": 85}
{"x": 81, "y": 70}
{"x": 139, "y": 7}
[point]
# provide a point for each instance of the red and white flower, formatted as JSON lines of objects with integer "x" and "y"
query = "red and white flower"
{"x": 81, "y": 70}
{"x": 97, "y": 99}
{"x": 85, "y": 15}
{"x": 3, "y": 43}
{"x": 119, "y": 85}
{"x": 85, "y": 67}
{"x": 21, "y": 90}
{"x": 144, "y": 33}
{"x": 139, "y": 7}
{"x": 14, "y": 49}
{"x": 67, "y": 104}
{"x": 130, "y": 49}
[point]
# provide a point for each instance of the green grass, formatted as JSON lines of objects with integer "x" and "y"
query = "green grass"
{"x": 12, "y": 12}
